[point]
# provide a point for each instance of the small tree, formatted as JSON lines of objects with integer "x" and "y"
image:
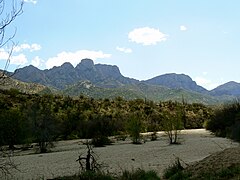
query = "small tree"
{"x": 172, "y": 124}
{"x": 135, "y": 127}
{"x": 12, "y": 127}
{"x": 44, "y": 123}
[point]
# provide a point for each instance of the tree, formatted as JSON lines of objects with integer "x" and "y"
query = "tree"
{"x": 172, "y": 123}
{"x": 135, "y": 127}
{"x": 44, "y": 122}
{"x": 12, "y": 127}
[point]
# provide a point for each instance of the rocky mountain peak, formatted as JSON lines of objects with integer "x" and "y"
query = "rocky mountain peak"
{"x": 85, "y": 64}
{"x": 67, "y": 65}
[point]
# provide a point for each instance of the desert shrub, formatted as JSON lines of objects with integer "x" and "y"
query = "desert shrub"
{"x": 173, "y": 170}
{"x": 139, "y": 174}
{"x": 100, "y": 141}
{"x": 94, "y": 176}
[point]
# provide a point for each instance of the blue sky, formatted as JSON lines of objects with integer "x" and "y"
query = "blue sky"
{"x": 144, "y": 38}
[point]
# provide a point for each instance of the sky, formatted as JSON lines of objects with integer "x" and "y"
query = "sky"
{"x": 144, "y": 38}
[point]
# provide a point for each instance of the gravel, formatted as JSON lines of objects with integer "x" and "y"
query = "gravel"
{"x": 152, "y": 155}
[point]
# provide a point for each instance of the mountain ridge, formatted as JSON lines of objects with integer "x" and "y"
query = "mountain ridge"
{"x": 107, "y": 81}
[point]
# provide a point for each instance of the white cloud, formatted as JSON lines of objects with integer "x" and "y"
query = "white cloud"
{"x": 146, "y": 36}
{"x": 35, "y": 47}
{"x": 30, "y": 47}
{"x": 31, "y": 1}
{"x": 19, "y": 59}
{"x": 183, "y": 28}
{"x": 14, "y": 59}
{"x": 206, "y": 83}
{"x": 123, "y": 49}
{"x": 36, "y": 61}
{"x": 202, "y": 81}
{"x": 75, "y": 57}
{"x": 3, "y": 54}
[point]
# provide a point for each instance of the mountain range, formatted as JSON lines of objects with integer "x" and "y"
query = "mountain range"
{"x": 106, "y": 81}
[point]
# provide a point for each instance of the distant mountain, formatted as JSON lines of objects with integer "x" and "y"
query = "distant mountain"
{"x": 176, "y": 81}
{"x": 106, "y": 81}
{"x": 65, "y": 75}
{"x": 231, "y": 88}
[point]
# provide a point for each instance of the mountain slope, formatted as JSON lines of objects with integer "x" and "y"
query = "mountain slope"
{"x": 106, "y": 81}
{"x": 29, "y": 88}
{"x": 176, "y": 81}
{"x": 231, "y": 88}
{"x": 143, "y": 91}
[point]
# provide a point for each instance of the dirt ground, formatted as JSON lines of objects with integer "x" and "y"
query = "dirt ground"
{"x": 152, "y": 155}
{"x": 216, "y": 162}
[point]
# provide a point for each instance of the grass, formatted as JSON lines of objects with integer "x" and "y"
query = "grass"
{"x": 173, "y": 169}
{"x": 138, "y": 174}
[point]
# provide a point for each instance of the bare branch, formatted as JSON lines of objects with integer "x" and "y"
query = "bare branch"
{"x": 6, "y": 163}
{"x": 16, "y": 10}
{"x": 10, "y": 17}
{"x": 3, "y": 74}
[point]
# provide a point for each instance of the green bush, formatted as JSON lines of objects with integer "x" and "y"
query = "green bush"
{"x": 100, "y": 141}
{"x": 226, "y": 121}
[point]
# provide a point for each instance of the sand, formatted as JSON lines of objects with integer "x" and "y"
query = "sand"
{"x": 152, "y": 155}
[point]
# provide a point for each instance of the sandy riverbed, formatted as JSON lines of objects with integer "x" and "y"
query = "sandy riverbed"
{"x": 157, "y": 155}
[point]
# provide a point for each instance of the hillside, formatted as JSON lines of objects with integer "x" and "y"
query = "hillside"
{"x": 231, "y": 88}
{"x": 143, "y": 91}
{"x": 30, "y": 88}
{"x": 176, "y": 81}
{"x": 106, "y": 81}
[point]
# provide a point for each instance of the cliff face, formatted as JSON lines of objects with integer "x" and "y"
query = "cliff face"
{"x": 65, "y": 75}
